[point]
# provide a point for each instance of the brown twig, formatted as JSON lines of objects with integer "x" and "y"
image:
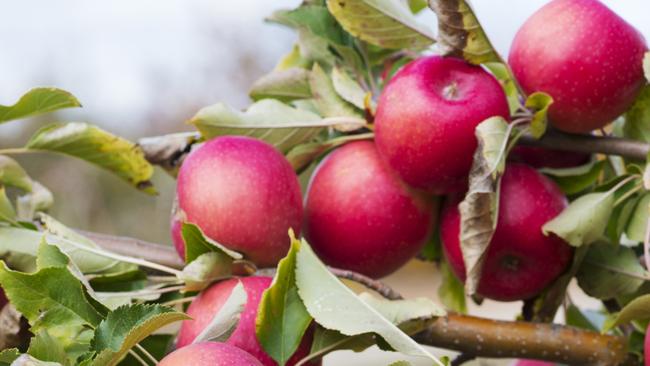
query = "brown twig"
{"x": 470, "y": 335}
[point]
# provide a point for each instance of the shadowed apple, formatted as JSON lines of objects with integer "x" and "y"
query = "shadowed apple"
{"x": 425, "y": 121}
{"x": 360, "y": 216}
{"x": 243, "y": 194}
{"x": 210, "y": 301}
{"x": 520, "y": 261}
{"x": 209, "y": 354}
{"x": 585, "y": 56}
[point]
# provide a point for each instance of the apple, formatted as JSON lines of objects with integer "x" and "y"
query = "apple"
{"x": 177, "y": 237}
{"x": 532, "y": 363}
{"x": 210, "y": 301}
{"x": 360, "y": 216}
{"x": 521, "y": 261}
{"x": 243, "y": 194}
{"x": 539, "y": 157}
{"x": 646, "y": 346}
{"x": 209, "y": 354}
{"x": 585, "y": 56}
{"x": 426, "y": 116}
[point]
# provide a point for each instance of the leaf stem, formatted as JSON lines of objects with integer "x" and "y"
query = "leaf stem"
{"x": 627, "y": 195}
{"x": 179, "y": 301}
{"x": 17, "y": 150}
{"x": 146, "y": 353}
{"x": 144, "y": 292}
{"x": 138, "y": 358}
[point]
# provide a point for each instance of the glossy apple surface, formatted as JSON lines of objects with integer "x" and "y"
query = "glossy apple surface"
{"x": 360, "y": 216}
{"x": 521, "y": 261}
{"x": 585, "y": 56}
{"x": 209, "y": 354}
{"x": 425, "y": 120}
{"x": 243, "y": 194}
{"x": 210, "y": 301}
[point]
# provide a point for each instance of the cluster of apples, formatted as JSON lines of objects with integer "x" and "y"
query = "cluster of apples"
{"x": 371, "y": 206}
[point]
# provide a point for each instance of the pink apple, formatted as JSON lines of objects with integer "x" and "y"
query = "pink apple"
{"x": 425, "y": 120}
{"x": 585, "y": 56}
{"x": 646, "y": 346}
{"x": 177, "y": 237}
{"x": 521, "y": 261}
{"x": 539, "y": 157}
{"x": 360, "y": 216}
{"x": 532, "y": 363}
{"x": 209, "y": 354}
{"x": 210, "y": 301}
{"x": 244, "y": 194}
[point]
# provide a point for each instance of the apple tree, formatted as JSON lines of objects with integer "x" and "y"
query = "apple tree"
{"x": 374, "y": 142}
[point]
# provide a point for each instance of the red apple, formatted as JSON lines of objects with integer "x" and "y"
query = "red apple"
{"x": 209, "y": 354}
{"x": 646, "y": 346}
{"x": 521, "y": 261}
{"x": 426, "y": 116}
{"x": 360, "y": 216}
{"x": 244, "y": 194}
{"x": 210, "y": 301}
{"x": 532, "y": 363}
{"x": 539, "y": 157}
{"x": 177, "y": 237}
{"x": 585, "y": 56}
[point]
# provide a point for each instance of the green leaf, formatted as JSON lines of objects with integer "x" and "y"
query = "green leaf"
{"x": 98, "y": 147}
{"x": 126, "y": 326}
{"x": 8, "y": 356}
{"x": 638, "y": 224}
{"x": 460, "y": 33}
{"x": 576, "y": 179}
{"x": 334, "y": 306}
{"x": 405, "y": 310}
{"x": 284, "y": 85}
{"x": 637, "y": 309}
{"x": 502, "y": 73}
{"x": 328, "y": 101}
{"x": 197, "y": 243}
{"x": 293, "y": 59}
{"x": 12, "y": 174}
{"x": 584, "y": 221}
{"x": 205, "y": 269}
{"x": 610, "y": 271}
{"x": 225, "y": 321}
{"x": 38, "y": 101}
{"x": 270, "y": 120}
{"x": 385, "y": 23}
{"x": 451, "y": 291}
{"x": 347, "y": 88}
{"x": 158, "y": 345}
{"x": 538, "y": 103}
{"x": 417, "y": 5}
{"x": 316, "y": 18}
{"x": 303, "y": 155}
{"x": 40, "y": 199}
{"x": 282, "y": 318}
{"x": 326, "y": 341}
{"x": 479, "y": 209}
{"x": 637, "y": 118}
{"x": 7, "y": 212}
{"x": 400, "y": 363}
{"x": 576, "y": 318}
{"x": 47, "y": 348}
{"x": 120, "y": 278}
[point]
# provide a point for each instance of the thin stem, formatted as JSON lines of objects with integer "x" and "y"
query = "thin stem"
{"x": 17, "y": 150}
{"x": 646, "y": 245}
{"x": 627, "y": 194}
{"x": 184, "y": 300}
{"x": 118, "y": 257}
{"x": 146, "y": 353}
{"x": 138, "y": 358}
{"x": 145, "y": 292}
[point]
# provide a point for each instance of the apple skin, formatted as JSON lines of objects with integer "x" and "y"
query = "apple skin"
{"x": 210, "y": 301}
{"x": 585, "y": 56}
{"x": 521, "y": 261}
{"x": 243, "y": 194}
{"x": 539, "y": 157}
{"x": 532, "y": 363}
{"x": 425, "y": 120}
{"x": 209, "y": 354}
{"x": 646, "y": 346}
{"x": 177, "y": 237}
{"x": 360, "y": 216}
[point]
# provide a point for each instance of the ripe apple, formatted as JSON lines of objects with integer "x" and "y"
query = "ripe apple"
{"x": 244, "y": 194}
{"x": 177, "y": 237}
{"x": 360, "y": 216}
{"x": 425, "y": 120}
{"x": 209, "y": 354}
{"x": 646, "y": 346}
{"x": 585, "y": 56}
{"x": 539, "y": 157}
{"x": 532, "y": 363}
{"x": 210, "y": 301}
{"x": 521, "y": 261}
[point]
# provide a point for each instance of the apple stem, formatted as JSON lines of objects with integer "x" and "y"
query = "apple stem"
{"x": 467, "y": 334}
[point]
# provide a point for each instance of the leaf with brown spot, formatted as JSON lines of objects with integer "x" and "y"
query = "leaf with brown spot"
{"x": 460, "y": 33}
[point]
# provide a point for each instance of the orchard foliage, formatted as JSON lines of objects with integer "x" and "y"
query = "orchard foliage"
{"x": 85, "y": 305}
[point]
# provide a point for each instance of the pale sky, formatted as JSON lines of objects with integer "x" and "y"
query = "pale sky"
{"x": 123, "y": 58}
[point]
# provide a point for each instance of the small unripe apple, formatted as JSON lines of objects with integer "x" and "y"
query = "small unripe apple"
{"x": 520, "y": 261}
{"x": 426, "y": 116}
{"x": 539, "y": 157}
{"x": 209, "y": 354}
{"x": 203, "y": 309}
{"x": 243, "y": 194}
{"x": 360, "y": 216}
{"x": 589, "y": 59}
